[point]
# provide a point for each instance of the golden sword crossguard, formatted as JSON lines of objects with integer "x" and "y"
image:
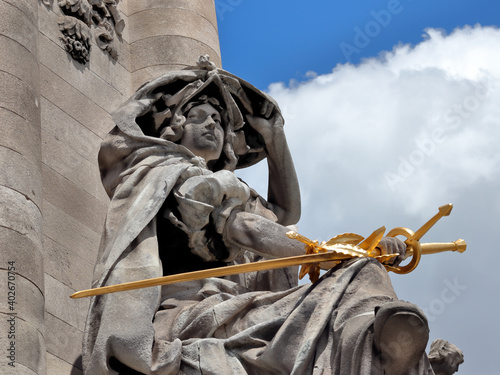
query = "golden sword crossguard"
{"x": 342, "y": 247}
{"x": 415, "y": 248}
{"x": 350, "y": 243}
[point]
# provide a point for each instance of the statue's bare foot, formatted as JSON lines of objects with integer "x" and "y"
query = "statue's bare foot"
{"x": 401, "y": 333}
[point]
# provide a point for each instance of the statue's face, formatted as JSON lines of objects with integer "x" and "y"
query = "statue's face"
{"x": 203, "y": 134}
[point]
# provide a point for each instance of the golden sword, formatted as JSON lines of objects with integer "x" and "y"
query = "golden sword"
{"x": 342, "y": 247}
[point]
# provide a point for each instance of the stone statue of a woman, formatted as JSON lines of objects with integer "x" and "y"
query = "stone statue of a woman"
{"x": 176, "y": 206}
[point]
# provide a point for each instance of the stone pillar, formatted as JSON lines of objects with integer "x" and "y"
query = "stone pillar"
{"x": 170, "y": 34}
{"x": 22, "y": 345}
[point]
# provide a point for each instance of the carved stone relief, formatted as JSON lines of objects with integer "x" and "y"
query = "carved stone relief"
{"x": 85, "y": 18}
{"x": 76, "y": 38}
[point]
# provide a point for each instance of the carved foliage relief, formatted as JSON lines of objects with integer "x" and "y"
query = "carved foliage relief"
{"x": 84, "y": 19}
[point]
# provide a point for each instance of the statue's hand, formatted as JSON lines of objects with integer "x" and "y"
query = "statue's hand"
{"x": 264, "y": 123}
{"x": 393, "y": 245}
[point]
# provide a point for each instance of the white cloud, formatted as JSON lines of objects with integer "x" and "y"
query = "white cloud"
{"x": 410, "y": 126}
{"x": 426, "y": 116}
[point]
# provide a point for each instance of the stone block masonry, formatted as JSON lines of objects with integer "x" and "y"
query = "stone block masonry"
{"x": 54, "y": 111}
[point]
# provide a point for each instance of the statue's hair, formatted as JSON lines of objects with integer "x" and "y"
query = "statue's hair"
{"x": 204, "y": 99}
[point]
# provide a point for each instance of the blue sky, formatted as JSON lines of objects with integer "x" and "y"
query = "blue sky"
{"x": 404, "y": 121}
{"x": 268, "y": 41}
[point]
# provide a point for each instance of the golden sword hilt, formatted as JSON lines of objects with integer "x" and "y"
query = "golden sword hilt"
{"x": 357, "y": 246}
{"x": 415, "y": 249}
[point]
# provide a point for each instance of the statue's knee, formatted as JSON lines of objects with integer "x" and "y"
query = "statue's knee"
{"x": 400, "y": 335}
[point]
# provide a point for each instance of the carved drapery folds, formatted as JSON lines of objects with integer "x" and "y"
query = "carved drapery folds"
{"x": 84, "y": 18}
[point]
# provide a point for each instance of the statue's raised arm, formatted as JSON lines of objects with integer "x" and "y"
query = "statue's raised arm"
{"x": 283, "y": 193}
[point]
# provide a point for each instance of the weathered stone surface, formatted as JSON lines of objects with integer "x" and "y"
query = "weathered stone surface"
{"x": 74, "y": 201}
{"x": 29, "y": 345}
{"x": 29, "y": 299}
{"x": 66, "y": 129}
{"x": 70, "y": 233}
{"x": 47, "y": 23}
{"x": 18, "y": 370}
{"x": 86, "y": 81}
{"x": 66, "y": 266}
{"x": 26, "y": 254}
{"x": 20, "y": 136}
{"x": 19, "y": 174}
{"x": 73, "y": 102}
{"x": 57, "y": 366}
{"x": 58, "y": 303}
{"x": 20, "y": 214}
{"x": 61, "y": 158}
{"x": 17, "y": 26}
{"x": 146, "y": 74}
{"x": 63, "y": 340}
{"x": 168, "y": 49}
{"x": 20, "y": 98}
{"x": 20, "y": 187}
{"x": 28, "y": 7}
{"x": 204, "y": 8}
{"x": 172, "y": 21}
{"x": 114, "y": 72}
{"x": 12, "y": 54}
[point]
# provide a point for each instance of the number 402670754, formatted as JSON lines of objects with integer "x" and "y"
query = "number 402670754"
{"x": 11, "y": 285}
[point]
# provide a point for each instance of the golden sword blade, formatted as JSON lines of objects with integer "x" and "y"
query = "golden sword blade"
{"x": 214, "y": 272}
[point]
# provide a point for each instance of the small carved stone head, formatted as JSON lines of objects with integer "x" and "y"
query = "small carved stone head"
{"x": 445, "y": 357}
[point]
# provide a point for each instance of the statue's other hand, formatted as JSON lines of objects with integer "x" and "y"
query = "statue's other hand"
{"x": 265, "y": 121}
{"x": 267, "y": 109}
{"x": 263, "y": 126}
{"x": 393, "y": 245}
